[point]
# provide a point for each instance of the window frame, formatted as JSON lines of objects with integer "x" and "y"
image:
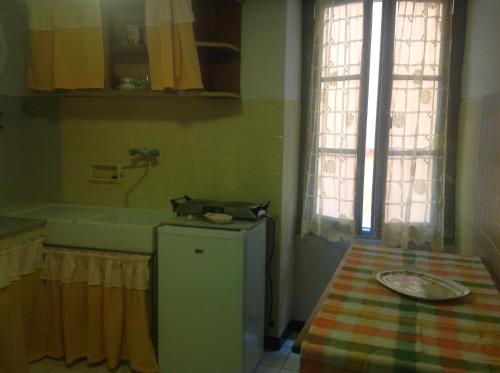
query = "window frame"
{"x": 386, "y": 80}
{"x": 362, "y": 77}
{"x": 310, "y": 13}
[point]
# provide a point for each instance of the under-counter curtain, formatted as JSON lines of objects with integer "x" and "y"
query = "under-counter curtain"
{"x": 173, "y": 57}
{"x": 73, "y": 304}
{"x": 97, "y": 308}
{"x": 22, "y": 320}
{"x": 417, "y": 140}
{"x": 66, "y": 45}
{"x": 332, "y": 121}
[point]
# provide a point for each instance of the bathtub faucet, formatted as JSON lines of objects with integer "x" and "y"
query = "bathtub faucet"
{"x": 144, "y": 152}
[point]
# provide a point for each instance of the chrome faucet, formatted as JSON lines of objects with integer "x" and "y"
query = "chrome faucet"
{"x": 144, "y": 152}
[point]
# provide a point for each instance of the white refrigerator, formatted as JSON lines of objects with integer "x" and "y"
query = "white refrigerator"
{"x": 211, "y": 295}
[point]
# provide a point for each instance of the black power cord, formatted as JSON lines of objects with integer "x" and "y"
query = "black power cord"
{"x": 270, "y": 320}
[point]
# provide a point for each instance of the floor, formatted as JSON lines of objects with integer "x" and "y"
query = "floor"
{"x": 282, "y": 361}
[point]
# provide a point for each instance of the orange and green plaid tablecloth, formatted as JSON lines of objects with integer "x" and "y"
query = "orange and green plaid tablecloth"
{"x": 364, "y": 327}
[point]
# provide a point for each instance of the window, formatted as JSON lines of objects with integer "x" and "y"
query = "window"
{"x": 340, "y": 90}
{"x": 415, "y": 111}
{"x": 382, "y": 111}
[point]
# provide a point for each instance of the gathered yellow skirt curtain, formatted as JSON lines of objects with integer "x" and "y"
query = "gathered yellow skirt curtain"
{"x": 173, "y": 58}
{"x": 99, "y": 324}
{"x": 78, "y": 305}
{"x": 23, "y": 336}
{"x": 66, "y": 42}
{"x": 97, "y": 308}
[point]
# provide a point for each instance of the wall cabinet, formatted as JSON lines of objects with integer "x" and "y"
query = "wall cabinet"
{"x": 217, "y": 33}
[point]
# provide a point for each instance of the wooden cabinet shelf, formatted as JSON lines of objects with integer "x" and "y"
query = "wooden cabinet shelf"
{"x": 218, "y": 32}
{"x": 129, "y": 53}
{"x": 120, "y": 50}
{"x": 123, "y": 53}
{"x": 139, "y": 93}
{"x": 217, "y": 45}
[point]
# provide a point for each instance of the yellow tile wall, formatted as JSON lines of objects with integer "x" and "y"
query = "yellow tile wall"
{"x": 221, "y": 149}
{"x": 467, "y": 158}
{"x": 29, "y": 150}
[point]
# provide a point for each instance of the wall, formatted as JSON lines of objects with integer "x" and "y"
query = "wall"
{"x": 29, "y": 150}
{"x": 290, "y": 167}
{"x": 316, "y": 260}
{"x": 217, "y": 149}
{"x": 467, "y": 152}
{"x": 209, "y": 149}
{"x": 29, "y": 132}
{"x": 13, "y": 37}
{"x": 486, "y": 232}
{"x": 481, "y": 77}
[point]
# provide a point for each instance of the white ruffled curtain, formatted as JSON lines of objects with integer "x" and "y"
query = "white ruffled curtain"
{"x": 332, "y": 124}
{"x": 20, "y": 259}
{"x": 417, "y": 143}
{"x": 96, "y": 268}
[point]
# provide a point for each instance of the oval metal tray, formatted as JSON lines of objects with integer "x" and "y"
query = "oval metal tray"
{"x": 420, "y": 285}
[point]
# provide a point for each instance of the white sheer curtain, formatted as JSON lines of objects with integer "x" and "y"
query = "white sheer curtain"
{"x": 417, "y": 142}
{"x": 332, "y": 125}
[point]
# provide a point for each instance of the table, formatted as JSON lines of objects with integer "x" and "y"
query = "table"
{"x": 360, "y": 326}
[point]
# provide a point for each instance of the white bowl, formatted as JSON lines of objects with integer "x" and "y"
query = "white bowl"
{"x": 219, "y": 218}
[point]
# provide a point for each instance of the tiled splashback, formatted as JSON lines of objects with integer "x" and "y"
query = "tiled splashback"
{"x": 215, "y": 149}
{"x": 468, "y": 143}
{"x": 220, "y": 149}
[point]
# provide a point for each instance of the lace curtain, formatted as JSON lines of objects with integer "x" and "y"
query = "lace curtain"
{"x": 332, "y": 124}
{"x": 416, "y": 154}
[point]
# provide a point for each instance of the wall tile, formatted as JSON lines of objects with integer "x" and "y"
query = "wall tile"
{"x": 29, "y": 150}
{"x": 467, "y": 158}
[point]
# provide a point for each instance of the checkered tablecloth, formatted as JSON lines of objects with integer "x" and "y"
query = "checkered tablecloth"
{"x": 365, "y": 327}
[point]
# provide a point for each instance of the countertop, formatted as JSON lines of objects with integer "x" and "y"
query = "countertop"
{"x": 10, "y": 226}
{"x": 235, "y": 225}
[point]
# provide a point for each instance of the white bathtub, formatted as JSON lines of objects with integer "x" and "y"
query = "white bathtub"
{"x": 97, "y": 227}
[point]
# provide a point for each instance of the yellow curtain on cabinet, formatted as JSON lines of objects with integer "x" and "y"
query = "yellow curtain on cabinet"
{"x": 66, "y": 41}
{"x": 73, "y": 305}
{"x": 97, "y": 308}
{"x": 173, "y": 58}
